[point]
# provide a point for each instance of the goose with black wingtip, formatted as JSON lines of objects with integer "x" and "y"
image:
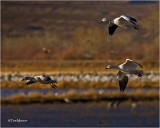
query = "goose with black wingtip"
{"x": 129, "y": 67}
{"x": 41, "y": 79}
{"x": 122, "y": 21}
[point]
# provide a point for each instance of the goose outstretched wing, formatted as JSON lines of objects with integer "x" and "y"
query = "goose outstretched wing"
{"x": 44, "y": 78}
{"x": 29, "y": 78}
{"x": 129, "y": 18}
{"x": 131, "y": 64}
{"x": 111, "y": 28}
{"x": 123, "y": 80}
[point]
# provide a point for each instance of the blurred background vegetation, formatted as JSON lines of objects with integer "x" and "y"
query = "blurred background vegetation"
{"x": 70, "y": 30}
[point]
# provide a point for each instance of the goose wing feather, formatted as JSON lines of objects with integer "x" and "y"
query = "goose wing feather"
{"x": 44, "y": 78}
{"x": 131, "y": 64}
{"x": 129, "y": 18}
{"x": 28, "y": 78}
{"x": 123, "y": 80}
{"x": 111, "y": 28}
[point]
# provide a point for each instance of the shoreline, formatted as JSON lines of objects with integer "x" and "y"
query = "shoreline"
{"x": 72, "y": 97}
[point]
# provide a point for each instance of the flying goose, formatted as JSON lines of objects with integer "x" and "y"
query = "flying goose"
{"x": 41, "y": 79}
{"x": 129, "y": 67}
{"x": 122, "y": 21}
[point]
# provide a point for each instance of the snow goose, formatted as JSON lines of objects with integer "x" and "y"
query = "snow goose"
{"x": 46, "y": 51}
{"x": 41, "y": 79}
{"x": 129, "y": 67}
{"x": 122, "y": 21}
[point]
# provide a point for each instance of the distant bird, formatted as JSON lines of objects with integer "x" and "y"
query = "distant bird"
{"x": 122, "y": 21}
{"x": 129, "y": 67}
{"x": 41, "y": 79}
{"x": 67, "y": 100}
{"x": 45, "y": 50}
{"x": 88, "y": 55}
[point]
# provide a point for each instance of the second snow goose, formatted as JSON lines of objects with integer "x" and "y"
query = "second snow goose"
{"x": 41, "y": 79}
{"x": 122, "y": 21}
{"x": 129, "y": 67}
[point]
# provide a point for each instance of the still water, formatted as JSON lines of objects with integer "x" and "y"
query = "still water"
{"x": 90, "y": 114}
{"x": 86, "y": 114}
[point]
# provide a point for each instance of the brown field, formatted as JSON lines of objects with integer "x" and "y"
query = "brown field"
{"x": 69, "y": 66}
{"x": 78, "y": 43}
{"x": 71, "y": 30}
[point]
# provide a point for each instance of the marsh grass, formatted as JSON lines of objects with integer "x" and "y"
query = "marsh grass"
{"x": 73, "y": 96}
{"x": 79, "y": 84}
{"x": 70, "y": 32}
{"x": 68, "y": 66}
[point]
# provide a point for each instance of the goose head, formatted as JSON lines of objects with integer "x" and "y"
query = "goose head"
{"x": 112, "y": 67}
{"x": 109, "y": 67}
{"x": 103, "y": 20}
{"x": 106, "y": 20}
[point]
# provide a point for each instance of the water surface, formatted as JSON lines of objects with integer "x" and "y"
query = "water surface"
{"x": 8, "y": 92}
{"x": 90, "y": 114}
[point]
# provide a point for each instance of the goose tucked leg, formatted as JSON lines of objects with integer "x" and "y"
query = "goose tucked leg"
{"x": 53, "y": 85}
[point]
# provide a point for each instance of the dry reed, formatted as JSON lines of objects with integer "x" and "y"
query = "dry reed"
{"x": 73, "y": 96}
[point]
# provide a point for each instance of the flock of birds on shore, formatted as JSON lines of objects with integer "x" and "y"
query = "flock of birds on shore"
{"x": 129, "y": 67}
{"x": 84, "y": 77}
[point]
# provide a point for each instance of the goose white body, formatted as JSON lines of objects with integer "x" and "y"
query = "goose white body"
{"x": 122, "y": 21}
{"x": 128, "y": 67}
{"x": 41, "y": 79}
